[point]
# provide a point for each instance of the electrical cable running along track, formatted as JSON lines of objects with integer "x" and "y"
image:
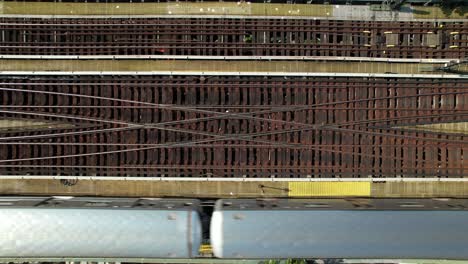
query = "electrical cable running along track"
{"x": 233, "y": 126}
{"x": 232, "y": 37}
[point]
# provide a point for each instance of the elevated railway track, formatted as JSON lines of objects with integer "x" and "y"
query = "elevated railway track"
{"x": 314, "y": 100}
{"x": 233, "y": 37}
{"x": 233, "y": 125}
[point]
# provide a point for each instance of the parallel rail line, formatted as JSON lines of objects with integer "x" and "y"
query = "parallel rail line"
{"x": 224, "y": 126}
{"x": 233, "y": 37}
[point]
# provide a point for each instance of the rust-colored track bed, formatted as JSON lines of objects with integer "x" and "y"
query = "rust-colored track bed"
{"x": 233, "y": 37}
{"x": 192, "y": 126}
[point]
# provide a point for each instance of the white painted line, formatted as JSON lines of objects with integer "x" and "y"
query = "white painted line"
{"x": 210, "y": 179}
{"x": 182, "y": 57}
{"x": 380, "y": 18}
{"x": 208, "y": 73}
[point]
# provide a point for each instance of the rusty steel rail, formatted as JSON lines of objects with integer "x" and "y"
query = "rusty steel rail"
{"x": 232, "y": 37}
{"x": 227, "y": 126}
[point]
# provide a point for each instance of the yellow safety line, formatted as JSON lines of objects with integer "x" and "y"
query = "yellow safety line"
{"x": 313, "y": 189}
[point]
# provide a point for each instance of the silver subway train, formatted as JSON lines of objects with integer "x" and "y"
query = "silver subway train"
{"x": 336, "y": 228}
{"x": 98, "y": 227}
{"x": 67, "y": 227}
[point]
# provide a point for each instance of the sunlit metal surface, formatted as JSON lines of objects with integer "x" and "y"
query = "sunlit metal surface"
{"x": 85, "y": 227}
{"x": 340, "y": 229}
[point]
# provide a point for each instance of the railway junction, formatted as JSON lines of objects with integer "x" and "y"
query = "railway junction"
{"x": 360, "y": 108}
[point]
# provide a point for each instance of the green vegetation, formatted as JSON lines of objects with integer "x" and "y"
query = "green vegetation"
{"x": 460, "y": 7}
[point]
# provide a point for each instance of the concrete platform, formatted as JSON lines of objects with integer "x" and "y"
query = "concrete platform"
{"x": 218, "y": 67}
{"x": 235, "y": 187}
{"x": 227, "y": 9}
{"x": 230, "y": 58}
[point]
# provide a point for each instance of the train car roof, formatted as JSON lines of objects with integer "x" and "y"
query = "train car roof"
{"x": 99, "y": 203}
{"x": 342, "y": 204}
